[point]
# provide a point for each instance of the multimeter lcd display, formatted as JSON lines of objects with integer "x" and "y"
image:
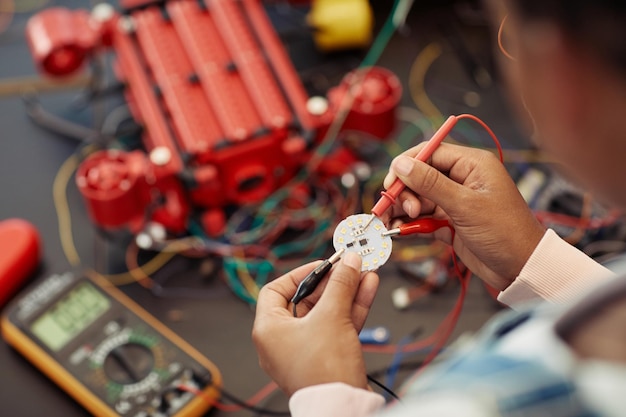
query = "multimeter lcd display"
{"x": 70, "y": 315}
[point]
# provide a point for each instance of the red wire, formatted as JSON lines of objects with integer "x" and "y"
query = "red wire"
{"x": 487, "y": 128}
{"x": 439, "y": 337}
{"x": 571, "y": 221}
{"x": 456, "y": 311}
{"x": 445, "y": 328}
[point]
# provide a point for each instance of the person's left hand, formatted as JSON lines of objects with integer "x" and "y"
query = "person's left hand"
{"x": 322, "y": 344}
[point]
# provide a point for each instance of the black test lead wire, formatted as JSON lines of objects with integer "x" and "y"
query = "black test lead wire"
{"x": 312, "y": 280}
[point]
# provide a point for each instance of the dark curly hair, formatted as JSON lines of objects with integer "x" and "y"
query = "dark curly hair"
{"x": 598, "y": 24}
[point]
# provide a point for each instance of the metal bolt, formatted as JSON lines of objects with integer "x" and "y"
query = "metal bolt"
{"x": 160, "y": 156}
{"x": 102, "y": 12}
{"x": 317, "y": 105}
{"x": 126, "y": 24}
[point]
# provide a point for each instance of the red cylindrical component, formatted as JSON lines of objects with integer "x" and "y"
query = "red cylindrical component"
{"x": 376, "y": 97}
{"x": 114, "y": 187}
{"x": 60, "y": 39}
{"x": 337, "y": 163}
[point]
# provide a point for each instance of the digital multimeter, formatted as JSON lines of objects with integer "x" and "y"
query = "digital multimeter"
{"x": 107, "y": 352}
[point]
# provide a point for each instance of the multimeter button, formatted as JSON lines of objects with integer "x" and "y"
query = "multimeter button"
{"x": 112, "y": 327}
{"x": 129, "y": 363}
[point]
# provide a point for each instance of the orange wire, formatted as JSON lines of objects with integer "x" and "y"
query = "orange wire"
{"x": 500, "y": 44}
{"x": 7, "y": 11}
{"x": 132, "y": 252}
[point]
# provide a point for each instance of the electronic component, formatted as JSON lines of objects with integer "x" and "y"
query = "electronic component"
{"x": 107, "y": 352}
{"x": 369, "y": 242}
{"x": 375, "y": 335}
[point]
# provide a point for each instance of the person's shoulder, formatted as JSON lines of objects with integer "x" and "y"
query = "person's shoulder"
{"x": 442, "y": 404}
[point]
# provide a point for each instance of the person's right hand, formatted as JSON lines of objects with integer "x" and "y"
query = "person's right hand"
{"x": 495, "y": 230}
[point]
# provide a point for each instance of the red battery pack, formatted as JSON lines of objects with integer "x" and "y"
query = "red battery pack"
{"x": 20, "y": 252}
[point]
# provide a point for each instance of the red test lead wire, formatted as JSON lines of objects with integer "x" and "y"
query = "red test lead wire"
{"x": 389, "y": 196}
{"x": 426, "y": 225}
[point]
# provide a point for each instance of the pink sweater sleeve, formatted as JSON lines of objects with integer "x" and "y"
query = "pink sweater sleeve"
{"x": 557, "y": 272}
{"x": 334, "y": 399}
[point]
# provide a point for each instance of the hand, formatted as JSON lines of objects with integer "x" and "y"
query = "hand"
{"x": 495, "y": 230}
{"x": 322, "y": 344}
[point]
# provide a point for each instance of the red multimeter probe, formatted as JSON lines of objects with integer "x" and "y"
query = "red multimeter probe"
{"x": 20, "y": 253}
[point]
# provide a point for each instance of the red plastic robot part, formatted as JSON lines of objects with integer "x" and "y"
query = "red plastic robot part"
{"x": 127, "y": 189}
{"x": 20, "y": 253}
{"x": 113, "y": 184}
{"x": 376, "y": 99}
{"x": 61, "y": 39}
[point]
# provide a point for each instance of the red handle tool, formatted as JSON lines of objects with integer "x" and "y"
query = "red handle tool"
{"x": 20, "y": 253}
{"x": 389, "y": 196}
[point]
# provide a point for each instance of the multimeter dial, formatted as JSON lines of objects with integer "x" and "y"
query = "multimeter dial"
{"x": 129, "y": 363}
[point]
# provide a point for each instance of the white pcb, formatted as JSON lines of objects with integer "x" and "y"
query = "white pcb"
{"x": 374, "y": 248}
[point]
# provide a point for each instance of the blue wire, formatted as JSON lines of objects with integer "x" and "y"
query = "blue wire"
{"x": 397, "y": 360}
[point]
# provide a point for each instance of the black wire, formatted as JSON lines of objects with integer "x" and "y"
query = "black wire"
{"x": 93, "y": 95}
{"x": 208, "y": 380}
{"x": 251, "y": 407}
{"x": 382, "y": 386}
{"x": 402, "y": 367}
{"x": 55, "y": 124}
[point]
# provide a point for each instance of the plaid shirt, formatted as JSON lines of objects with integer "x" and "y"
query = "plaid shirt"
{"x": 504, "y": 377}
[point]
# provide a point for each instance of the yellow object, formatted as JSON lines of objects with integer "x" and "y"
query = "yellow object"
{"x": 341, "y": 24}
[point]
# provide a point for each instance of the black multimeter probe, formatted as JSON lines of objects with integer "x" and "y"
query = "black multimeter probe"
{"x": 312, "y": 280}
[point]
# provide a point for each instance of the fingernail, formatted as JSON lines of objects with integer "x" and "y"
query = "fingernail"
{"x": 403, "y": 165}
{"x": 352, "y": 260}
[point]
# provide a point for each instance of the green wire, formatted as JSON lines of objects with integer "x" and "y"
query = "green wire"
{"x": 382, "y": 39}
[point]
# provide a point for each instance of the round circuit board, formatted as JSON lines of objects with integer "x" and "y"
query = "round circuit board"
{"x": 374, "y": 248}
